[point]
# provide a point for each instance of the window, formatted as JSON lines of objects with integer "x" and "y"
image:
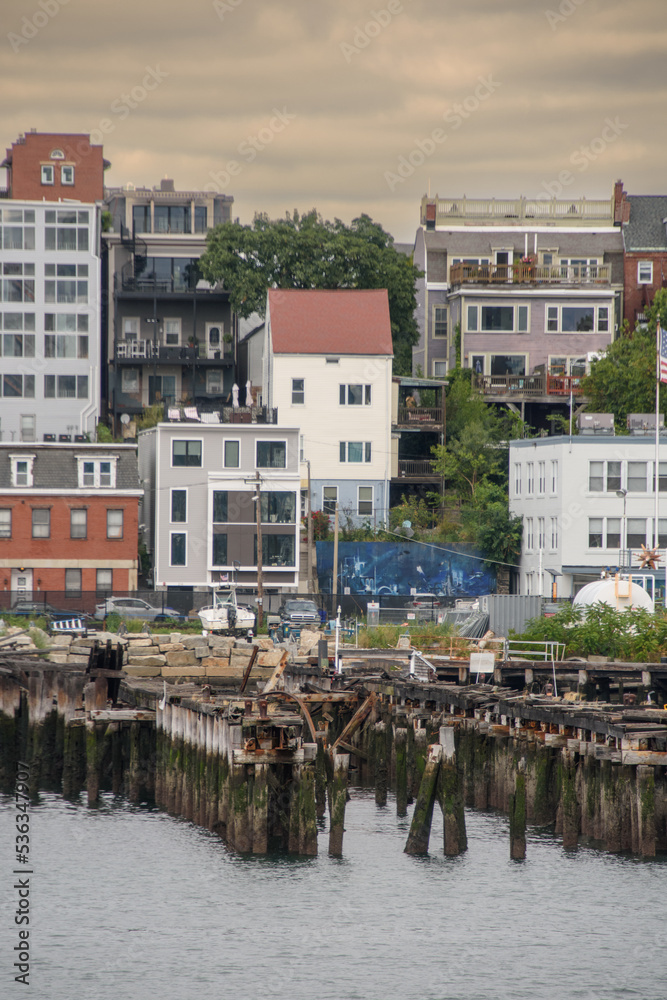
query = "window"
{"x": 645, "y": 272}
{"x": 187, "y": 453}
{"x": 554, "y": 476}
{"x": 636, "y": 532}
{"x": 271, "y": 454}
{"x": 129, "y": 381}
{"x": 637, "y": 477}
{"x": 603, "y": 319}
{"x": 365, "y": 500}
{"x": 169, "y": 274}
{"x": 64, "y": 283}
{"x": 552, "y": 319}
{"x": 67, "y": 175}
{"x": 179, "y": 506}
{"x": 220, "y": 550}
{"x": 141, "y": 218}
{"x": 577, "y": 319}
{"x": 301, "y": 444}
{"x": 498, "y": 319}
{"x": 41, "y": 523}
{"x": 613, "y": 533}
{"x": 18, "y": 282}
{"x": 662, "y": 478}
{"x": 517, "y": 479}
{"x": 177, "y": 548}
{"x": 73, "y": 581}
{"x": 5, "y": 522}
{"x": 554, "y": 533}
{"x": 172, "y": 332}
{"x": 329, "y": 499}
{"x": 78, "y": 523}
{"x": 298, "y": 392}
{"x": 18, "y": 386}
{"x": 18, "y": 229}
{"x": 172, "y": 218}
{"x": 22, "y": 469}
{"x": 541, "y": 477}
{"x": 606, "y": 477}
{"x": 66, "y": 386}
{"x": 17, "y": 345}
{"x": 354, "y": 395}
{"x": 97, "y": 472}
{"x": 220, "y": 506}
{"x": 277, "y": 550}
{"x": 104, "y": 579}
{"x": 529, "y": 533}
{"x": 47, "y": 173}
{"x": 65, "y": 346}
{"x": 131, "y": 328}
{"x": 508, "y": 364}
{"x": 530, "y": 477}
{"x": 114, "y": 523}
{"x": 439, "y": 321}
{"x": 66, "y": 229}
{"x": 595, "y": 532}
{"x": 439, "y": 369}
{"x": 231, "y": 455}
{"x": 278, "y": 507}
{"x": 214, "y": 382}
{"x": 540, "y": 532}
{"x": 613, "y": 476}
{"x": 355, "y": 451}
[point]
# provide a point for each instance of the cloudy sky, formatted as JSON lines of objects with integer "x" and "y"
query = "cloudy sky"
{"x": 349, "y": 106}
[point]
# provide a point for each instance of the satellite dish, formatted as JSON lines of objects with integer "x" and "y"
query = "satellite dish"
{"x": 125, "y": 418}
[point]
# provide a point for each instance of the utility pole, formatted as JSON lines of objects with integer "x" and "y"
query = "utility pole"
{"x": 309, "y": 514}
{"x": 260, "y": 582}
{"x": 334, "y": 580}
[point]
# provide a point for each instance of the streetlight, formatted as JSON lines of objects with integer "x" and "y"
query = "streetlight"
{"x": 624, "y": 540}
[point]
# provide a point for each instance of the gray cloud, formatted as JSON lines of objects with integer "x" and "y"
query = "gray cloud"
{"x": 356, "y": 111}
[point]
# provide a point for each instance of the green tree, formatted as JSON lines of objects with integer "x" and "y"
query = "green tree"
{"x": 622, "y": 381}
{"x": 488, "y": 524}
{"x": 306, "y": 251}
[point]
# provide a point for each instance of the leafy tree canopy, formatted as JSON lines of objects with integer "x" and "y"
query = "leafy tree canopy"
{"x": 306, "y": 251}
{"x": 623, "y": 380}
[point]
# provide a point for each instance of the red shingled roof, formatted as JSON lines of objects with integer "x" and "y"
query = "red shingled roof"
{"x": 330, "y": 321}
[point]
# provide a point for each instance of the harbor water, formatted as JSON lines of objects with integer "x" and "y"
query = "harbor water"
{"x": 127, "y": 902}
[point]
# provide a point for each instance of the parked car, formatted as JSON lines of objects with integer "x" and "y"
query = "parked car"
{"x": 134, "y": 607}
{"x": 43, "y": 608}
{"x": 424, "y": 601}
{"x": 300, "y": 612}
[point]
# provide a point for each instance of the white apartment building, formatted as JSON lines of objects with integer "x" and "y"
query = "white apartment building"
{"x": 588, "y": 506}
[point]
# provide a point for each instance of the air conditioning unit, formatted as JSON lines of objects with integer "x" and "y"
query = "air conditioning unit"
{"x": 64, "y": 437}
{"x": 79, "y": 438}
{"x": 49, "y": 437}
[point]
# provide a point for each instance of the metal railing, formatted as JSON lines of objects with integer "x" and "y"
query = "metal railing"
{"x": 554, "y": 274}
{"x": 499, "y": 209}
{"x": 529, "y": 385}
{"x": 419, "y": 415}
{"x": 416, "y": 468}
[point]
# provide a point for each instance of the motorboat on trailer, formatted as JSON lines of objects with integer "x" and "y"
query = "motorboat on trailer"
{"x": 226, "y": 616}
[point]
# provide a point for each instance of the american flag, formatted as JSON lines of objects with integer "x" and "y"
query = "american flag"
{"x": 662, "y": 352}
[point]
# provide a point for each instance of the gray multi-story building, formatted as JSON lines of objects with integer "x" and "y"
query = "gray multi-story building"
{"x": 171, "y": 336}
{"x": 200, "y": 521}
{"x": 523, "y": 292}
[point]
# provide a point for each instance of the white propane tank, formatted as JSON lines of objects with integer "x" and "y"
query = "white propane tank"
{"x": 618, "y": 593}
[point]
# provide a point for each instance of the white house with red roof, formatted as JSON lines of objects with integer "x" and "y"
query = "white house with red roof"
{"x": 327, "y": 368}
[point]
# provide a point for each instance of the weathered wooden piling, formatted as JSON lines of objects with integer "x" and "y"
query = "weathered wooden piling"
{"x": 450, "y": 796}
{"x": 380, "y": 740}
{"x": 239, "y": 830}
{"x": 422, "y": 817}
{"x": 517, "y": 814}
{"x": 569, "y": 805}
{"x": 646, "y": 810}
{"x": 260, "y": 809}
{"x": 400, "y": 743}
{"x": 320, "y": 780}
{"x": 307, "y": 812}
{"x": 338, "y": 799}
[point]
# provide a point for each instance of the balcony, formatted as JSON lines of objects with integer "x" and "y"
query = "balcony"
{"x": 420, "y": 468}
{"x": 529, "y": 386}
{"x": 134, "y": 351}
{"x": 531, "y": 274}
{"x": 420, "y": 416}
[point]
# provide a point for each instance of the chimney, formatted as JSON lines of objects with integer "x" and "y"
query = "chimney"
{"x": 621, "y": 205}
{"x": 166, "y": 184}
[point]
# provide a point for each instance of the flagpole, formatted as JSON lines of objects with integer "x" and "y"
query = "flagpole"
{"x": 656, "y": 533}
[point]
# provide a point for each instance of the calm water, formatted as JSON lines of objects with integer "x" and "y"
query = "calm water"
{"x": 128, "y": 903}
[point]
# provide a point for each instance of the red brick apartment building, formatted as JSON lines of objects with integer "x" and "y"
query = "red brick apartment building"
{"x": 52, "y": 166}
{"x": 69, "y": 517}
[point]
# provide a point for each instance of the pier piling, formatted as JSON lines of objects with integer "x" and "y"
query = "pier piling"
{"x": 338, "y": 799}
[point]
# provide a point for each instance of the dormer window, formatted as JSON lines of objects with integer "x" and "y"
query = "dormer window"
{"x": 22, "y": 472}
{"x": 97, "y": 473}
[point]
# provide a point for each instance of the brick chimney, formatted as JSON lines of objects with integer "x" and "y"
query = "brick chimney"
{"x": 621, "y": 205}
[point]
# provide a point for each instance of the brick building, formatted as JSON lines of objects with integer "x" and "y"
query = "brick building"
{"x": 645, "y": 257}
{"x": 69, "y": 518}
{"x": 51, "y": 166}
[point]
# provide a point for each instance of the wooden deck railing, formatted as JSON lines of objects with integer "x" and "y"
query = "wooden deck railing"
{"x": 553, "y": 274}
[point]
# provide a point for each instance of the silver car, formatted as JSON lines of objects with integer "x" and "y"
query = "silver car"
{"x": 133, "y": 607}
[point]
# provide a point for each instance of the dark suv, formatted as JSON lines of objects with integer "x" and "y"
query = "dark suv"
{"x": 300, "y": 612}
